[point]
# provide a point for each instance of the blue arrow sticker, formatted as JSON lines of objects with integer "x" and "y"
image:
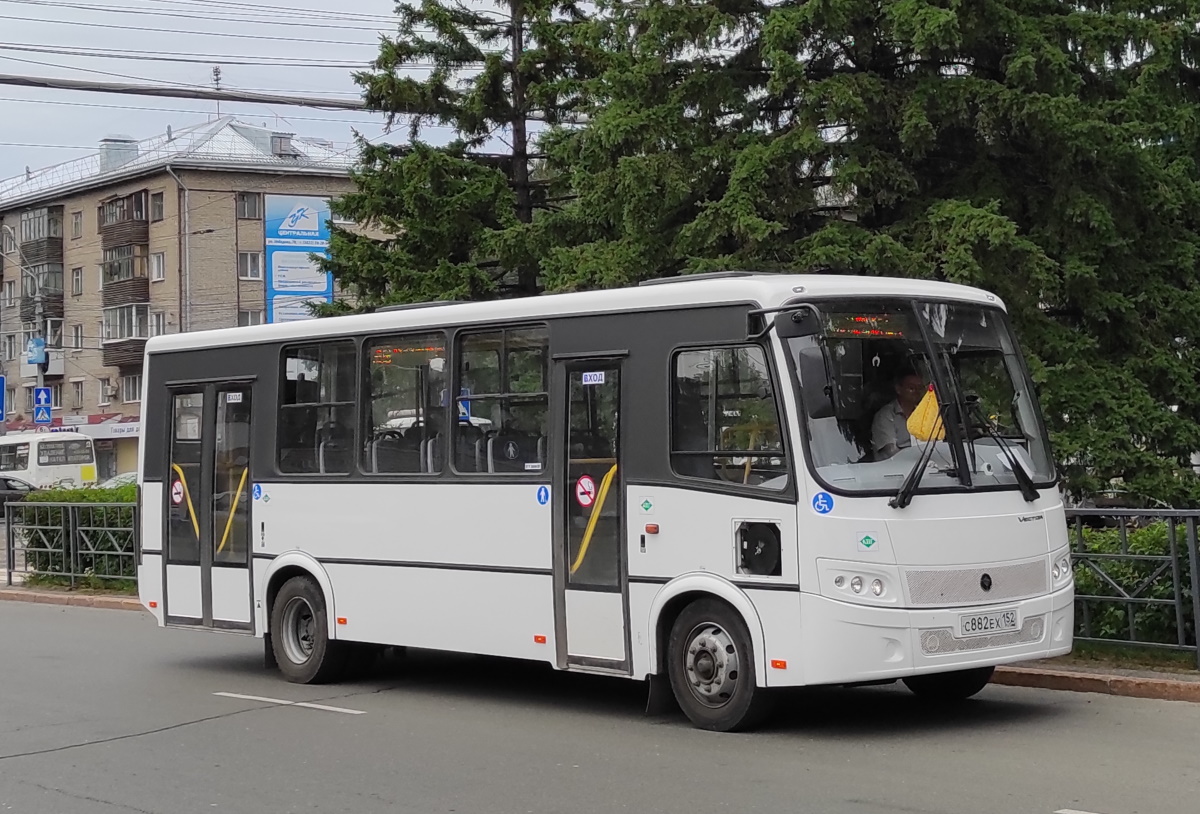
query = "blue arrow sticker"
{"x": 822, "y": 503}
{"x": 543, "y": 495}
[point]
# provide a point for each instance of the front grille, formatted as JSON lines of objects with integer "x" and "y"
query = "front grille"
{"x": 962, "y": 586}
{"x": 935, "y": 642}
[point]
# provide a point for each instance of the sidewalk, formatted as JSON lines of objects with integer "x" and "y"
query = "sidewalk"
{"x": 74, "y": 598}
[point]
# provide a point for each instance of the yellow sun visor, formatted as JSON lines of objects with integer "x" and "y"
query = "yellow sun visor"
{"x": 925, "y": 423}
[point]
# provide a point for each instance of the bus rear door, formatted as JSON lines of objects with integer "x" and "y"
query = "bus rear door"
{"x": 207, "y": 512}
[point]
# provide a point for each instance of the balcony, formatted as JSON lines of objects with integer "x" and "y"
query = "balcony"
{"x": 52, "y": 306}
{"x": 124, "y": 353}
{"x": 43, "y": 250}
{"x": 125, "y": 281}
{"x": 123, "y": 222}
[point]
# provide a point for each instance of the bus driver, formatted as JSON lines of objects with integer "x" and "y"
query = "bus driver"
{"x": 889, "y": 430}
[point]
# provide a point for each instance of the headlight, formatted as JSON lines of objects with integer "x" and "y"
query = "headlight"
{"x": 1062, "y": 570}
{"x": 856, "y": 585}
{"x": 877, "y": 587}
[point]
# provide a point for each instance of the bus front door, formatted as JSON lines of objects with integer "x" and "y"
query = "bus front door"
{"x": 591, "y": 578}
{"x": 208, "y": 508}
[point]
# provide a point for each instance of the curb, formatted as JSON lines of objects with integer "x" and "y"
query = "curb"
{"x": 1159, "y": 689}
{"x": 75, "y": 600}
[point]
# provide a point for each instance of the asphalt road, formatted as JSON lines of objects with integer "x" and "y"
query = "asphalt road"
{"x": 101, "y": 712}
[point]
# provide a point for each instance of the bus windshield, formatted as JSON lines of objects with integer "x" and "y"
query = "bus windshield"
{"x": 866, "y": 366}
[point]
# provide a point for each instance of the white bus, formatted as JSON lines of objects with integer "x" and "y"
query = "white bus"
{"x": 707, "y": 483}
{"x": 49, "y": 459}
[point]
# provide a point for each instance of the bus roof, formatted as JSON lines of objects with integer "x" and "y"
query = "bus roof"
{"x": 23, "y": 436}
{"x": 766, "y": 289}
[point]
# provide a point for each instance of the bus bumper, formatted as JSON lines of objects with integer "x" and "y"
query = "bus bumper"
{"x": 847, "y": 643}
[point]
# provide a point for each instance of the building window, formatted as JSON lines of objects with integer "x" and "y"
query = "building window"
{"x": 76, "y": 225}
{"x": 77, "y": 281}
{"x": 316, "y": 409}
{"x": 158, "y": 267}
{"x": 131, "y": 388}
{"x": 77, "y": 395}
{"x": 105, "y": 392}
{"x": 122, "y": 263}
{"x": 56, "y": 396}
{"x": 54, "y": 333}
{"x": 158, "y": 323}
{"x": 10, "y": 400}
{"x": 502, "y": 406}
{"x": 9, "y": 245}
{"x": 126, "y": 322}
{"x": 10, "y": 347}
{"x": 123, "y": 210}
{"x": 406, "y": 379}
{"x": 10, "y": 293}
{"x": 39, "y": 224}
{"x": 156, "y": 207}
{"x": 250, "y": 265}
{"x": 46, "y": 276}
{"x": 249, "y": 317}
{"x": 724, "y": 418}
{"x": 249, "y": 206}
{"x": 77, "y": 336}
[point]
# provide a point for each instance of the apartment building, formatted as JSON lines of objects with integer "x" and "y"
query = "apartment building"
{"x": 145, "y": 237}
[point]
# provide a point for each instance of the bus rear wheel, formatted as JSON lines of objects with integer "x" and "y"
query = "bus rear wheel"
{"x": 711, "y": 667}
{"x": 956, "y": 686}
{"x": 300, "y": 635}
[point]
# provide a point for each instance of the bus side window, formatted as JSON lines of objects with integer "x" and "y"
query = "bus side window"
{"x": 725, "y": 419}
{"x": 503, "y": 403}
{"x": 316, "y": 409}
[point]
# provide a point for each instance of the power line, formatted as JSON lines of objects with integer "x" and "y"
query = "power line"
{"x": 269, "y": 115}
{"x": 294, "y": 11}
{"x": 181, "y": 15}
{"x": 145, "y": 30}
{"x": 199, "y": 59}
{"x": 193, "y": 92}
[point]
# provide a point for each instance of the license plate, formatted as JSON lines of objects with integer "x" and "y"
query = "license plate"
{"x": 984, "y": 624}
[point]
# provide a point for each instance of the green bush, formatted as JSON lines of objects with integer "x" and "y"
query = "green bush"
{"x": 1151, "y": 623}
{"x": 105, "y": 532}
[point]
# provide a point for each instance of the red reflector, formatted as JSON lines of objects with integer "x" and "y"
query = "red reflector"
{"x": 153, "y": 604}
{"x": 341, "y": 620}
{"x": 539, "y": 639}
{"x": 652, "y": 528}
{"x": 779, "y": 664}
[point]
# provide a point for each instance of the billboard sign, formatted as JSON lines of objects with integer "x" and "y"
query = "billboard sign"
{"x": 294, "y": 227}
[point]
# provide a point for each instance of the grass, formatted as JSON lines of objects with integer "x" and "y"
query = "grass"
{"x": 1128, "y": 657}
{"x": 88, "y": 584}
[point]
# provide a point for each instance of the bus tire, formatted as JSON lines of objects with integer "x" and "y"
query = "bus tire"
{"x": 300, "y": 635}
{"x": 956, "y": 686}
{"x": 711, "y": 667}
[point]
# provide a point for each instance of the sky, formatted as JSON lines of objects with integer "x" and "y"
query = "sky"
{"x": 40, "y": 128}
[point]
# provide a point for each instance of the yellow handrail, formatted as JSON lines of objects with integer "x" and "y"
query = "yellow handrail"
{"x": 233, "y": 510}
{"x": 591, "y": 526}
{"x": 187, "y": 493}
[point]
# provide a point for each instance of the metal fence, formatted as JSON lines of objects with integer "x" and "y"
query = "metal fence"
{"x": 72, "y": 544}
{"x": 1137, "y": 578}
{"x": 1137, "y": 572}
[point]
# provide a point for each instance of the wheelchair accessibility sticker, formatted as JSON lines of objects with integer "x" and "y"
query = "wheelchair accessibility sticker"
{"x": 822, "y": 503}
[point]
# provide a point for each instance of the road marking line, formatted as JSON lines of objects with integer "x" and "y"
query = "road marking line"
{"x": 282, "y": 702}
{"x": 1072, "y": 811}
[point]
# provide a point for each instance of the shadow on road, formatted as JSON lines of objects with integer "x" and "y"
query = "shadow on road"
{"x": 828, "y": 712}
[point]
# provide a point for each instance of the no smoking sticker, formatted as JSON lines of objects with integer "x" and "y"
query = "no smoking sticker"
{"x": 177, "y": 492}
{"x": 585, "y": 491}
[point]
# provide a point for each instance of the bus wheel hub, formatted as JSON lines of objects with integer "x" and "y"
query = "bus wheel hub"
{"x": 712, "y": 665}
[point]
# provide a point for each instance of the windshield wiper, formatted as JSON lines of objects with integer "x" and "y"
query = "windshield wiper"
{"x": 911, "y": 481}
{"x": 1024, "y": 482}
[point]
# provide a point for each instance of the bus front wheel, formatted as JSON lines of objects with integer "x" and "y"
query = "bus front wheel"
{"x": 300, "y": 635}
{"x": 711, "y": 667}
{"x": 956, "y": 686}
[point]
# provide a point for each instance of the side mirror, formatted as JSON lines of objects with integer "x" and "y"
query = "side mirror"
{"x": 820, "y": 399}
